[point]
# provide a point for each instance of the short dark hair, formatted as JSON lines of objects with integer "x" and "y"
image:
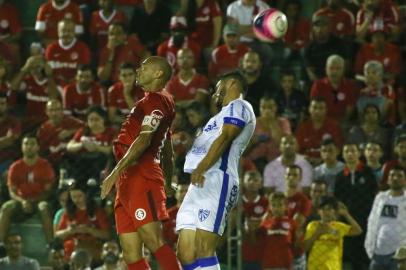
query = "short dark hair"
{"x": 294, "y": 166}
{"x": 30, "y": 135}
{"x": 328, "y": 141}
{"x": 236, "y": 75}
{"x": 319, "y": 182}
{"x": 398, "y": 168}
{"x": 99, "y": 110}
{"x": 287, "y": 72}
{"x": 277, "y": 196}
{"x": 127, "y": 65}
{"x": 328, "y": 201}
{"x": 318, "y": 99}
{"x": 85, "y": 67}
{"x": 11, "y": 234}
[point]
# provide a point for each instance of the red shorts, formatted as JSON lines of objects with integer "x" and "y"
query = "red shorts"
{"x": 144, "y": 203}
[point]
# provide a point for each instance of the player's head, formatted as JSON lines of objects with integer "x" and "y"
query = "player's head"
{"x": 127, "y": 74}
{"x": 328, "y": 208}
{"x": 230, "y": 86}
{"x": 66, "y": 31}
{"x": 154, "y": 73}
{"x": 397, "y": 178}
{"x": 293, "y": 176}
{"x": 116, "y": 33}
{"x": 252, "y": 181}
{"x": 277, "y": 204}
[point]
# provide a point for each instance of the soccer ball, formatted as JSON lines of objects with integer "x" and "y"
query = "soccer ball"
{"x": 270, "y": 25}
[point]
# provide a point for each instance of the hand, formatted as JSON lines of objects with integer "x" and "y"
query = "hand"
{"x": 108, "y": 184}
{"x": 197, "y": 177}
{"x": 82, "y": 228}
{"x": 47, "y": 69}
{"x": 112, "y": 43}
{"x": 89, "y": 146}
{"x": 9, "y": 133}
{"x": 64, "y": 134}
{"x": 342, "y": 209}
{"x": 30, "y": 64}
{"x": 27, "y": 206}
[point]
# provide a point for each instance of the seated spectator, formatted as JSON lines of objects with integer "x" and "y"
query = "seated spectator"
{"x": 15, "y": 259}
{"x": 91, "y": 146}
{"x": 356, "y": 188}
{"x": 342, "y": 20}
{"x": 188, "y": 85}
{"x": 30, "y": 183}
{"x": 400, "y": 152}
{"x": 324, "y": 238}
{"x": 51, "y": 13}
{"x": 400, "y": 258}
{"x": 197, "y": 116}
{"x": 227, "y": 56}
{"x": 10, "y": 28}
{"x": 67, "y": 53}
{"x": 377, "y": 12}
{"x": 387, "y": 222}
{"x": 370, "y": 129}
{"x": 55, "y": 133}
{"x": 178, "y": 40}
{"x": 82, "y": 93}
{"x": 339, "y": 92}
{"x": 62, "y": 195}
{"x": 292, "y": 103}
{"x": 377, "y": 92}
{"x": 318, "y": 190}
{"x": 323, "y": 45}
{"x": 56, "y": 257}
{"x": 84, "y": 225}
{"x": 328, "y": 170}
{"x": 157, "y": 15}
{"x": 80, "y": 260}
{"x": 275, "y": 170}
{"x": 379, "y": 49}
{"x": 102, "y": 19}
{"x": 318, "y": 127}
{"x": 269, "y": 130}
{"x": 373, "y": 154}
{"x": 10, "y": 131}
{"x": 111, "y": 257}
{"x": 120, "y": 48}
{"x": 5, "y": 87}
{"x": 123, "y": 95}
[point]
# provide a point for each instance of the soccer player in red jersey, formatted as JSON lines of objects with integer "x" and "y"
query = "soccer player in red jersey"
{"x": 139, "y": 179}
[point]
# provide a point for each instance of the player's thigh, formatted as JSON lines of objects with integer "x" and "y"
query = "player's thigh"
{"x": 151, "y": 235}
{"x": 206, "y": 243}
{"x": 186, "y": 218}
{"x": 132, "y": 245}
{"x": 186, "y": 251}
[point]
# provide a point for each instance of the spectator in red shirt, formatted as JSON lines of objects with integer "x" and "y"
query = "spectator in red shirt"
{"x": 54, "y": 134}
{"x": 298, "y": 33}
{"x": 400, "y": 151}
{"x": 342, "y": 20}
{"x": 67, "y": 53}
{"x": 177, "y": 41}
{"x": 311, "y": 133}
{"x": 338, "y": 92}
{"x": 51, "y": 13}
{"x": 188, "y": 85}
{"x": 227, "y": 57}
{"x": 83, "y": 224}
{"x": 123, "y": 95}
{"x": 30, "y": 183}
{"x": 120, "y": 48}
{"x": 83, "y": 93}
{"x": 10, "y": 28}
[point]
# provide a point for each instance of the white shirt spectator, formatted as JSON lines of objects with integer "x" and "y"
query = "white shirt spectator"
{"x": 322, "y": 172}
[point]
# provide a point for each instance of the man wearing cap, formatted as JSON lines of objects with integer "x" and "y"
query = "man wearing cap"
{"x": 179, "y": 39}
{"x": 400, "y": 257}
{"x": 226, "y": 57}
{"x": 400, "y": 151}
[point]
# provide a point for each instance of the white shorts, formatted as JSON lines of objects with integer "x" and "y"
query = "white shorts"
{"x": 207, "y": 208}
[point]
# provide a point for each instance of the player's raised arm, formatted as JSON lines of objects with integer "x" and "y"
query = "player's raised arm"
{"x": 167, "y": 164}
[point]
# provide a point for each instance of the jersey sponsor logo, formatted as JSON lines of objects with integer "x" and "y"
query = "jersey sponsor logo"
{"x": 259, "y": 210}
{"x": 232, "y": 200}
{"x": 203, "y": 214}
{"x": 140, "y": 214}
{"x": 153, "y": 120}
{"x": 390, "y": 211}
{"x": 279, "y": 231}
{"x": 211, "y": 127}
{"x": 74, "y": 56}
{"x": 57, "y": 64}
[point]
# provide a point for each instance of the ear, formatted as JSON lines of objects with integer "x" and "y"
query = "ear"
{"x": 159, "y": 74}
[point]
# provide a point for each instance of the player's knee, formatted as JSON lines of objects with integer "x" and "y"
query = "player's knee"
{"x": 152, "y": 241}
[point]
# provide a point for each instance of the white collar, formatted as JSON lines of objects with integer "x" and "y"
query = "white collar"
{"x": 107, "y": 20}
{"x": 66, "y": 47}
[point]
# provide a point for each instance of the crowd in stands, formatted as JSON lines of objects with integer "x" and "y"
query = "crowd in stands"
{"x": 323, "y": 178}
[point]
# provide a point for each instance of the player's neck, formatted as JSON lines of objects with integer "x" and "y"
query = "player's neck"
{"x": 396, "y": 193}
{"x": 30, "y": 160}
{"x": 291, "y": 191}
{"x": 153, "y": 87}
{"x": 251, "y": 195}
{"x": 186, "y": 74}
{"x": 231, "y": 95}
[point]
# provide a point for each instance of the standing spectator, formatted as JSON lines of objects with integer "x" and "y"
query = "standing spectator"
{"x": 197, "y": 116}
{"x": 67, "y": 53}
{"x": 318, "y": 189}
{"x": 54, "y": 134}
{"x": 51, "y": 13}
{"x": 227, "y": 57}
{"x": 328, "y": 170}
{"x": 373, "y": 154}
{"x": 120, "y": 48}
{"x": 10, "y": 28}
{"x": 157, "y": 15}
{"x": 317, "y": 128}
{"x": 14, "y": 259}
{"x": 339, "y": 93}
{"x": 102, "y": 19}
{"x": 56, "y": 256}
{"x": 324, "y": 238}
{"x": 30, "y": 183}
{"x": 110, "y": 256}
{"x": 188, "y": 85}
{"x": 400, "y": 151}
{"x": 275, "y": 170}
{"x": 123, "y": 95}
{"x": 82, "y": 93}
{"x": 387, "y": 222}
{"x": 356, "y": 188}
{"x": 342, "y": 20}
{"x": 400, "y": 257}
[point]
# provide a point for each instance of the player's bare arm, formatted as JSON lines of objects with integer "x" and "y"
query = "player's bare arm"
{"x": 228, "y": 134}
{"x": 167, "y": 166}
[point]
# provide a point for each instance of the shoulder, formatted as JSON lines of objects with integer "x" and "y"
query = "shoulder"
{"x": 53, "y": 46}
{"x": 43, "y": 162}
{"x": 17, "y": 164}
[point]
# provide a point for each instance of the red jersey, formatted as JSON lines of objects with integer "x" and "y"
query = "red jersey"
{"x": 13, "y": 125}
{"x": 298, "y": 34}
{"x": 169, "y": 227}
{"x": 224, "y": 59}
{"x": 337, "y": 99}
{"x": 76, "y": 102}
{"x": 309, "y": 138}
{"x": 130, "y": 52}
{"x": 9, "y": 20}
{"x": 342, "y": 20}
{"x": 49, "y": 15}
{"x": 168, "y": 50}
{"x": 37, "y": 96}
{"x": 390, "y": 58}
{"x": 386, "y": 17}
{"x": 105, "y": 139}
{"x": 256, "y": 208}
{"x": 115, "y": 97}
{"x": 186, "y": 90}
{"x": 48, "y": 137}
{"x": 203, "y": 34}
{"x": 279, "y": 234}
{"x": 29, "y": 182}
{"x": 99, "y": 25}
{"x": 64, "y": 60}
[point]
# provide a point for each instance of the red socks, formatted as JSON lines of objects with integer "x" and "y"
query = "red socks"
{"x": 166, "y": 258}
{"x": 139, "y": 265}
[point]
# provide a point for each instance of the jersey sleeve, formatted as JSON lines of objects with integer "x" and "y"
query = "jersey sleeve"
{"x": 237, "y": 114}
{"x": 154, "y": 112}
{"x": 40, "y": 22}
{"x": 310, "y": 230}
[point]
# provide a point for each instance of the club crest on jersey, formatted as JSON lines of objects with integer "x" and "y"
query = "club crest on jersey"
{"x": 203, "y": 214}
{"x": 140, "y": 214}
